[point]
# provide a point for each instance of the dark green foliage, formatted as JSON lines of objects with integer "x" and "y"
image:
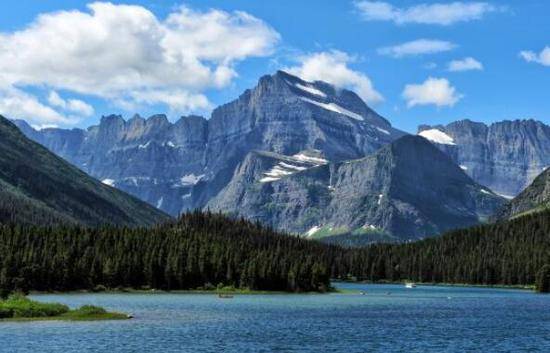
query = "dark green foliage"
{"x": 37, "y": 187}
{"x": 542, "y": 284}
{"x": 506, "y": 253}
{"x": 210, "y": 250}
{"x": 197, "y": 250}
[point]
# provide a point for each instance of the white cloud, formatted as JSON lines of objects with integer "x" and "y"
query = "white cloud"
{"x": 177, "y": 100}
{"x": 437, "y": 13}
{"x": 433, "y": 91}
{"x": 118, "y": 52}
{"x": 332, "y": 67}
{"x": 465, "y": 64}
{"x": 73, "y": 105}
{"x": 16, "y": 104}
{"x": 417, "y": 47}
{"x": 542, "y": 58}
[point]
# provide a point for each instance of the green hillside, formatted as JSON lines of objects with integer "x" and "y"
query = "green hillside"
{"x": 37, "y": 187}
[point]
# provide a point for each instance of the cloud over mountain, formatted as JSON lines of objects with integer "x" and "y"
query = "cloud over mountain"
{"x": 433, "y": 91}
{"x": 333, "y": 67}
{"x": 125, "y": 54}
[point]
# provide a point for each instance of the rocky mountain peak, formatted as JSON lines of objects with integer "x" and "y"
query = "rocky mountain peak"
{"x": 505, "y": 156}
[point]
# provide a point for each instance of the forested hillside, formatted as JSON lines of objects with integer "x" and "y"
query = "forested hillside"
{"x": 203, "y": 250}
{"x": 199, "y": 250}
{"x": 509, "y": 253}
{"x": 37, "y": 187}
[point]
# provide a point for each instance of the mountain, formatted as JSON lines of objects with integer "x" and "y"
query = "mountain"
{"x": 183, "y": 165}
{"x": 504, "y": 156}
{"x": 406, "y": 190}
{"x": 536, "y": 197}
{"x": 37, "y": 187}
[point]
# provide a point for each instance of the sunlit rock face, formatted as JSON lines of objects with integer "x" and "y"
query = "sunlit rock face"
{"x": 505, "y": 156}
{"x": 406, "y": 190}
{"x": 183, "y": 165}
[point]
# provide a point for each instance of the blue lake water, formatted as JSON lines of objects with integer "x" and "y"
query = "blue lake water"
{"x": 389, "y": 318}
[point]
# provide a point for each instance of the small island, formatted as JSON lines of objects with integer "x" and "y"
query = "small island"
{"x": 18, "y": 307}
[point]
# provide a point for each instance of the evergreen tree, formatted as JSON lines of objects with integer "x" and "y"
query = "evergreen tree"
{"x": 542, "y": 284}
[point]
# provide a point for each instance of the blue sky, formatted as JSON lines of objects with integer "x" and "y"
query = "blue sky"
{"x": 410, "y": 84}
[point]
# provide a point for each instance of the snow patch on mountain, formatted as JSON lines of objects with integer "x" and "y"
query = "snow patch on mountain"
{"x": 305, "y": 158}
{"x": 437, "y": 136}
{"x": 291, "y": 165}
{"x": 384, "y": 131}
{"x": 311, "y": 90}
{"x": 312, "y": 231}
{"x": 160, "y": 202}
{"x": 143, "y": 146}
{"x": 333, "y": 107}
{"x": 109, "y": 182}
{"x": 190, "y": 179}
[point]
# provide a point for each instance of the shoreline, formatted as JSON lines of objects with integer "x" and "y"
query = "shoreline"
{"x": 20, "y": 308}
{"x": 100, "y": 317}
{"x": 444, "y": 284}
{"x": 178, "y": 291}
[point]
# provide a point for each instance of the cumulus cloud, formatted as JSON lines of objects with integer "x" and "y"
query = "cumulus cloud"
{"x": 542, "y": 58}
{"x": 417, "y": 47}
{"x": 465, "y": 64}
{"x": 176, "y": 100}
{"x": 17, "y": 104}
{"x": 333, "y": 67}
{"x": 433, "y": 91}
{"x": 73, "y": 105}
{"x": 438, "y": 13}
{"x": 124, "y": 53}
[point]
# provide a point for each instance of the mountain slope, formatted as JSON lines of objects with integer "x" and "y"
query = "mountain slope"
{"x": 505, "y": 156}
{"x": 38, "y": 187}
{"x": 182, "y": 165}
{"x": 536, "y": 197}
{"x": 406, "y": 190}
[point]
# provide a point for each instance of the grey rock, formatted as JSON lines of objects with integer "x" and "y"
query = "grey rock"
{"x": 183, "y": 165}
{"x": 504, "y": 156}
{"x": 406, "y": 190}
{"x": 536, "y": 197}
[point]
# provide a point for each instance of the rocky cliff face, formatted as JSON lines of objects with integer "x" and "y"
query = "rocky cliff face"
{"x": 504, "y": 156}
{"x": 37, "y": 187}
{"x": 406, "y": 190}
{"x": 536, "y": 197}
{"x": 183, "y": 165}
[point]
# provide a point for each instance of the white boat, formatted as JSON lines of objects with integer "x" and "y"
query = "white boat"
{"x": 410, "y": 285}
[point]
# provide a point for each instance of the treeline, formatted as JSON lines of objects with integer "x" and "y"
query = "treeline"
{"x": 207, "y": 250}
{"x": 198, "y": 251}
{"x": 505, "y": 253}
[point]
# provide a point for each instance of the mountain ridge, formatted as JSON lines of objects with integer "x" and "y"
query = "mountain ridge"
{"x": 367, "y": 195}
{"x": 182, "y": 165}
{"x": 39, "y": 187}
{"x": 505, "y": 156}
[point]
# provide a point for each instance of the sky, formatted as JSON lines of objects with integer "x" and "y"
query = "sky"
{"x": 66, "y": 63}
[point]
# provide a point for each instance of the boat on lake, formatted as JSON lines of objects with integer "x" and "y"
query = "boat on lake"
{"x": 410, "y": 285}
{"x": 225, "y": 296}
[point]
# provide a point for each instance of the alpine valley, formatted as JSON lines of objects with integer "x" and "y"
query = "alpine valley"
{"x": 310, "y": 159}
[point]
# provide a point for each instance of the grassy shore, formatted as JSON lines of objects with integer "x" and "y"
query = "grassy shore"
{"x": 20, "y": 308}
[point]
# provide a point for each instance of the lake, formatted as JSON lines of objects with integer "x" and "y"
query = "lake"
{"x": 388, "y": 318}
